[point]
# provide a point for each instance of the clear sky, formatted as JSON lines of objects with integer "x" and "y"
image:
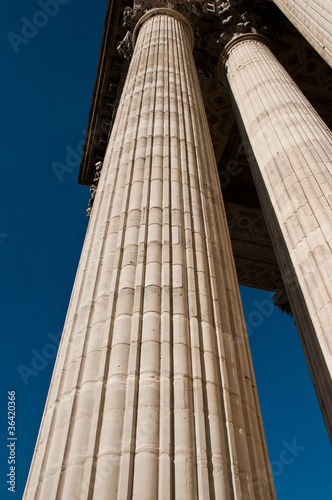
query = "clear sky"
{"x": 47, "y": 78}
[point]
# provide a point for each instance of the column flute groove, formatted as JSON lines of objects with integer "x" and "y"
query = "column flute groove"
{"x": 184, "y": 372}
{"x": 208, "y": 489}
{"x": 125, "y": 489}
{"x": 204, "y": 410}
{"x": 166, "y": 469}
{"x": 145, "y": 194}
{"x": 146, "y": 450}
{"x": 92, "y": 481}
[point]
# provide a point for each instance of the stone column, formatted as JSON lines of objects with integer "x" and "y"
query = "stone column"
{"x": 153, "y": 394}
{"x": 313, "y": 19}
{"x": 290, "y": 152}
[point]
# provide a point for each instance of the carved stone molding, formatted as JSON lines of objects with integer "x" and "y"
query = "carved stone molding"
{"x": 280, "y": 300}
{"x": 125, "y": 47}
{"x": 192, "y": 10}
{"x": 93, "y": 187}
{"x": 240, "y": 17}
{"x": 234, "y": 18}
{"x": 228, "y": 19}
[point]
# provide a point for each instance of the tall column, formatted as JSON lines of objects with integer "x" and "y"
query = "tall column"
{"x": 313, "y": 19}
{"x": 290, "y": 152}
{"x": 153, "y": 394}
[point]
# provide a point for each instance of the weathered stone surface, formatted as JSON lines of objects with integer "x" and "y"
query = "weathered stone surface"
{"x": 153, "y": 394}
{"x": 313, "y": 18}
{"x": 291, "y": 165}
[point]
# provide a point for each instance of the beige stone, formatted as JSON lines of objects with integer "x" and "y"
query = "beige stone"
{"x": 291, "y": 161}
{"x": 144, "y": 401}
{"x": 313, "y": 18}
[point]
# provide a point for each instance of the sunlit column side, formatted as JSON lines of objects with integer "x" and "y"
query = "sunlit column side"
{"x": 313, "y": 19}
{"x": 290, "y": 152}
{"x": 153, "y": 394}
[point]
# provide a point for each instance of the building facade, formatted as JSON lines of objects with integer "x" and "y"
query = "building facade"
{"x": 208, "y": 153}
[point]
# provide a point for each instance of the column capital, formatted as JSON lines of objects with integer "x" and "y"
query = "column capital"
{"x": 234, "y": 18}
{"x": 240, "y": 17}
{"x": 167, "y": 12}
{"x": 191, "y": 11}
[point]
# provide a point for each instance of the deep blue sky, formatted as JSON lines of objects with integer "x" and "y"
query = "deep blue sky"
{"x": 46, "y": 89}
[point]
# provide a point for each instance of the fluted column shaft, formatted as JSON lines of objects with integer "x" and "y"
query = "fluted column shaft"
{"x": 313, "y": 19}
{"x": 290, "y": 152}
{"x": 153, "y": 394}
